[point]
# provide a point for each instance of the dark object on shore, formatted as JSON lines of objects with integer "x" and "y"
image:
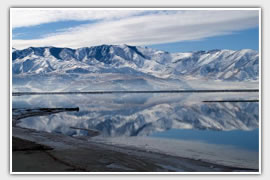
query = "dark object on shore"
{"x": 252, "y": 100}
{"x": 58, "y": 109}
{"x": 19, "y": 144}
{"x": 20, "y": 113}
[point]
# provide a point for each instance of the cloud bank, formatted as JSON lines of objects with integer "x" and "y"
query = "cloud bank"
{"x": 22, "y": 17}
{"x": 133, "y": 27}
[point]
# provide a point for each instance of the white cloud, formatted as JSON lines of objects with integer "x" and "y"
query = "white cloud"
{"x": 148, "y": 29}
{"x": 22, "y": 17}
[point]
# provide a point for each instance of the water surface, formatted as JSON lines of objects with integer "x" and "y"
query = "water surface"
{"x": 183, "y": 116}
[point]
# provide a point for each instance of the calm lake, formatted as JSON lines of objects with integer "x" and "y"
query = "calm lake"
{"x": 178, "y": 116}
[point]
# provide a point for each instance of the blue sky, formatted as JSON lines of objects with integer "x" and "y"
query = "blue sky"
{"x": 247, "y": 39}
{"x": 38, "y": 31}
{"x": 172, "y": 31}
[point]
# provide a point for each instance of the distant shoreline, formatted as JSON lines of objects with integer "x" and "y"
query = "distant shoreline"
{"x": 118, "y": 92}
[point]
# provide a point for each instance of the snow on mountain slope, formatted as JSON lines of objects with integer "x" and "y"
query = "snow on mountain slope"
{"x": 220, "y": 64}
{"x": 141, "y": 62}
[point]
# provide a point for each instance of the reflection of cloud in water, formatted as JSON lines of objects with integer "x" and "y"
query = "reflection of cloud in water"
{"x": 140, "y": 114}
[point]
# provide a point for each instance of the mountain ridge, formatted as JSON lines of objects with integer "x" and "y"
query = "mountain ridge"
{"x": 215, "y": 64}
{"x": 124, "y": 67}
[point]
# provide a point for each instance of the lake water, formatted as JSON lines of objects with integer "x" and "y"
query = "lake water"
{"x": 178, "y": 116}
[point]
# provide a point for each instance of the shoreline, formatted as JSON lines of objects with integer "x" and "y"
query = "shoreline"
{"x": 138, "y": 92}
{"x": 68, "y": 154}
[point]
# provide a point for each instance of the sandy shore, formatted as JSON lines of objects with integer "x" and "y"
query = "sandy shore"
{"x": 34, "y": 151}
{"x": 32, "y": 157}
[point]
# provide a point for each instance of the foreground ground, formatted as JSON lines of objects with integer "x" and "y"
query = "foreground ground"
{"x": 34, "y": 151}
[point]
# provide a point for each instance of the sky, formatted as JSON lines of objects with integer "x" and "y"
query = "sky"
{"x": 168, "y": 30}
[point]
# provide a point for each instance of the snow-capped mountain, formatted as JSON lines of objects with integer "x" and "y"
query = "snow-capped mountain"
{"x": 125, "y": 62}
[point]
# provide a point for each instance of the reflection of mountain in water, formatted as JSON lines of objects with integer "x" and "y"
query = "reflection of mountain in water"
{"x": 143, "y": 115}
{"x": 218, "y": 116}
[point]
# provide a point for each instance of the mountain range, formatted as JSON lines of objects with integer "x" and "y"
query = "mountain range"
{"x": 124, "y": 67}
